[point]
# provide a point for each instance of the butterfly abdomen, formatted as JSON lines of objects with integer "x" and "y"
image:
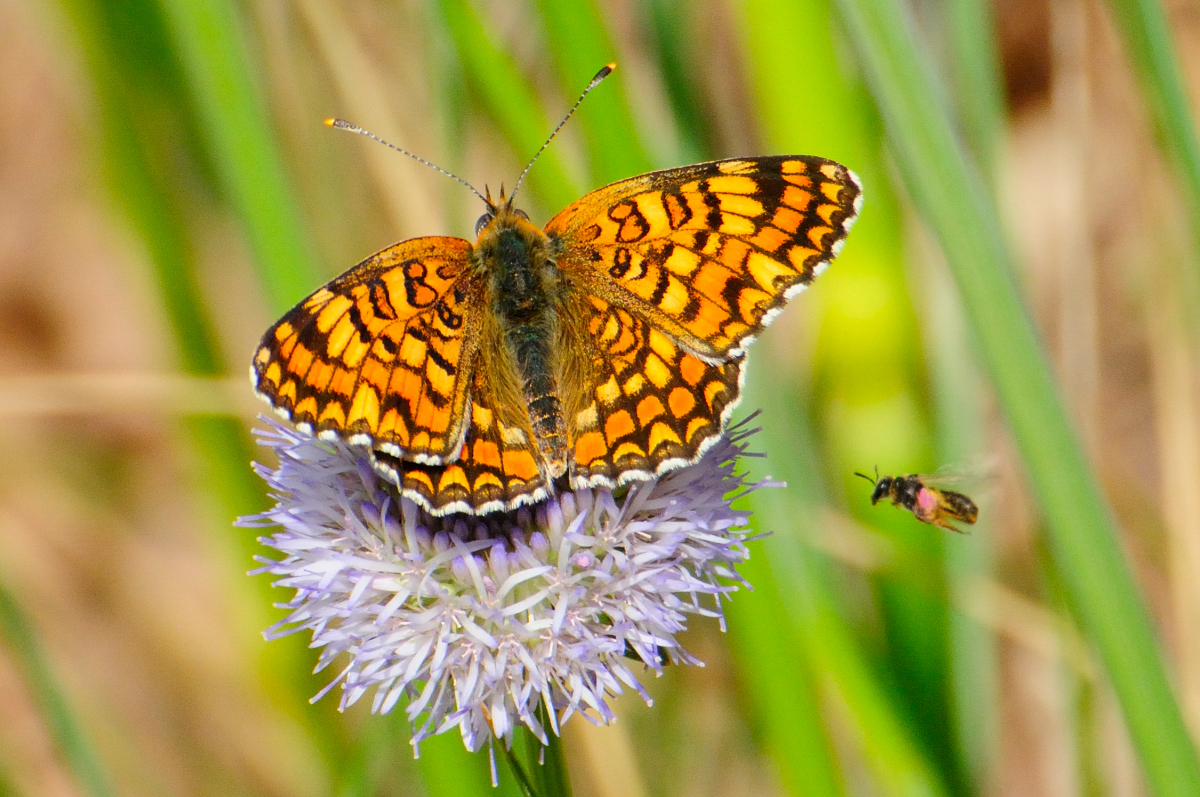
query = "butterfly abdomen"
{"x": 523, "y": 293}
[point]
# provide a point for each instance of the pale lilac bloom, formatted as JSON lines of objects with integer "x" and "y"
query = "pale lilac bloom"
{"x": 477, "y": 621}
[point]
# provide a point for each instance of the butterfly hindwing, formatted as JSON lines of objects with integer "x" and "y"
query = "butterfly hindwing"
{"x": 654, "y": 406}
{"x": 496, "y": 468}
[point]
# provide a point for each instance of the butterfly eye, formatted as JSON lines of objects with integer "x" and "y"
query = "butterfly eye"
{"x": 482, "y": 222}
{"x": 522, "y": 214}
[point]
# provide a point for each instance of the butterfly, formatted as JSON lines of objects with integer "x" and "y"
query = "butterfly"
{"x": 607, "y": 347}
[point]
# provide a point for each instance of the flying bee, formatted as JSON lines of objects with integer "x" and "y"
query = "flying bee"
{"x": 928, "y": 504}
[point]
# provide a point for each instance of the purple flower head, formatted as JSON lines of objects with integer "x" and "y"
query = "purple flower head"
{"x": 479, "y": 620}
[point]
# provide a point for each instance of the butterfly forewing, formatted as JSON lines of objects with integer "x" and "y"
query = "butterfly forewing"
{"x": 708, "y": 253}
{"x": 379, "y": 355}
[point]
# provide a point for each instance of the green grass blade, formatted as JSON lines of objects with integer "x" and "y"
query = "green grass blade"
{"x": 581, "y": 47}
{"x": 868, "y": 386}
{"x": 951, "y": 196}
{"x": 956, "y": 392}
{"x": 551, "y": 763}
{"x": 510, "y": 100}
{"x": 209, "y": 39}
{"x": 133, "y": 77}
{"x": 1143, "y": 24}
{"x": 892, "y": 749}
{"x": 149, "y": 146}
{"x": 889, "y": 741}
{"x": 775, "y": 676}
{"x": 802, "y": 97}
{"x": 133, "y": 81}
{"x": 64, "y": 729}
{"x": 959, "y": 423}
{"x": 517, "y": 769}
{"x": 545, "y": 769}
{"x": 974, "y": 62}
{"x": 675, "y": 51}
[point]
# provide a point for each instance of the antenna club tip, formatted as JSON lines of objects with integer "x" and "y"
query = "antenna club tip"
{"x": 332, "y": 122}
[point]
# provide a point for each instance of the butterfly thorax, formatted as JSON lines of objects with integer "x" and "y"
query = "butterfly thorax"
{"x": 524, "y": 288}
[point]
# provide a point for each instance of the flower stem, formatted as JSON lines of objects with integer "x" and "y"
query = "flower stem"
{"x": 553, "y": 780}
{"x": 518, "y": 771}
{"x": 545, "y": 771}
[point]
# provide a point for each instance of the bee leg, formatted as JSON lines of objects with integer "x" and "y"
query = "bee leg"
{"x": 946, "y": 524}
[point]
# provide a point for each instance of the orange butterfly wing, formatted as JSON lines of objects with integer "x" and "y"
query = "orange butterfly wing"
{"x": 710, "y": 252}
{"x": 496, "y": 470}
{"x": 380, "y": 355}
{"x": 684, "y": 267}
{"x": 655, "y": 407}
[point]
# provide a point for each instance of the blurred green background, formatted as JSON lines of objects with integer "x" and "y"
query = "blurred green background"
{"x": 1018, "y": 302}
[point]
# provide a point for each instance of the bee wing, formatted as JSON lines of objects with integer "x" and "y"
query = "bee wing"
{"x": 974, "y": 473}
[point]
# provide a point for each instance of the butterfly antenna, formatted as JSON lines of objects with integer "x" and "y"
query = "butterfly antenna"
{"x": 342, "y": 124}
{"x": 603, "y": 73}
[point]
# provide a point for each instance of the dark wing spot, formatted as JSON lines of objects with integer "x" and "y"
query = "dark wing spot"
{"x": 622, "y": 262}
{"x": 360, "y": 326}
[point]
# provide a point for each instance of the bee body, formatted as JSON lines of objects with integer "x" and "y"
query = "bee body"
{"x": 927, "y": 504}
